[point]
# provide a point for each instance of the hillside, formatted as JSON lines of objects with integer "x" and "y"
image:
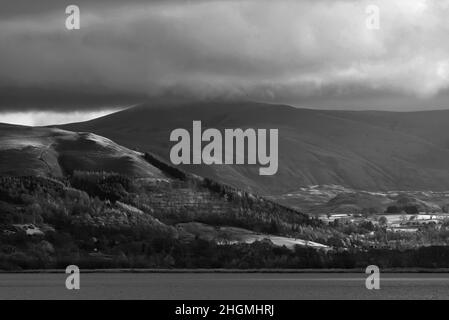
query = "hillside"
{"x": 68, "y": 197}
{"x": 53, "y": 152}
{"x": 361, "y": 150}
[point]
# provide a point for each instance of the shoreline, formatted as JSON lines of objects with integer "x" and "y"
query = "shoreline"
{"x": 229, "y": 271}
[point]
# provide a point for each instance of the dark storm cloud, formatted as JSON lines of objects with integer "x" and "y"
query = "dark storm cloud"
{"x": 310, "y": 53}
{"x": 14, "y": 8}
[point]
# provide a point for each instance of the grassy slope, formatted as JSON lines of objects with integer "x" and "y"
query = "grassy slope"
{"x": 45, "y": 151}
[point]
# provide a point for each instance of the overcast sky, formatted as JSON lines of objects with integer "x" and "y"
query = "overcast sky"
{"x": 310, "y": 53}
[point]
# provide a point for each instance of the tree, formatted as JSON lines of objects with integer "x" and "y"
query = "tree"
{"x": 383, "y": 221}
{"x": 411, "y": 210}
{"x": 393, "y": 209}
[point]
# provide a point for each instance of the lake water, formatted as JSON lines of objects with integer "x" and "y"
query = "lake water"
{"x": 224, "y": 286}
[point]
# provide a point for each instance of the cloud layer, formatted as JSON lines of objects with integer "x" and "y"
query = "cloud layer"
{"x": 310, "y": 53}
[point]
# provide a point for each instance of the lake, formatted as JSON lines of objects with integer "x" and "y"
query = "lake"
{"x": 224, "y": 286}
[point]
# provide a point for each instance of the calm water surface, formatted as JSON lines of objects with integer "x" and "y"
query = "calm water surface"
{"x": 235, "y": 286}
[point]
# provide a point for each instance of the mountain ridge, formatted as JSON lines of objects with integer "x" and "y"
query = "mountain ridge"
{"x": 358, "y": 150}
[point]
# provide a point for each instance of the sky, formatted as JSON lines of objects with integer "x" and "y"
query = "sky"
{"x": 308, "y": 53}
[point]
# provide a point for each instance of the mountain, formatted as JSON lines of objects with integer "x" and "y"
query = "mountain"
{"x": 360, "y": 150}
{"x": 55, "y": 152}
{"x": 79, "y": 198}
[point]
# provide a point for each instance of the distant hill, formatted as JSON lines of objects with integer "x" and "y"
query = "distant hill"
{"x": 361, "y": 150}
{"x": 329, "y": 199}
